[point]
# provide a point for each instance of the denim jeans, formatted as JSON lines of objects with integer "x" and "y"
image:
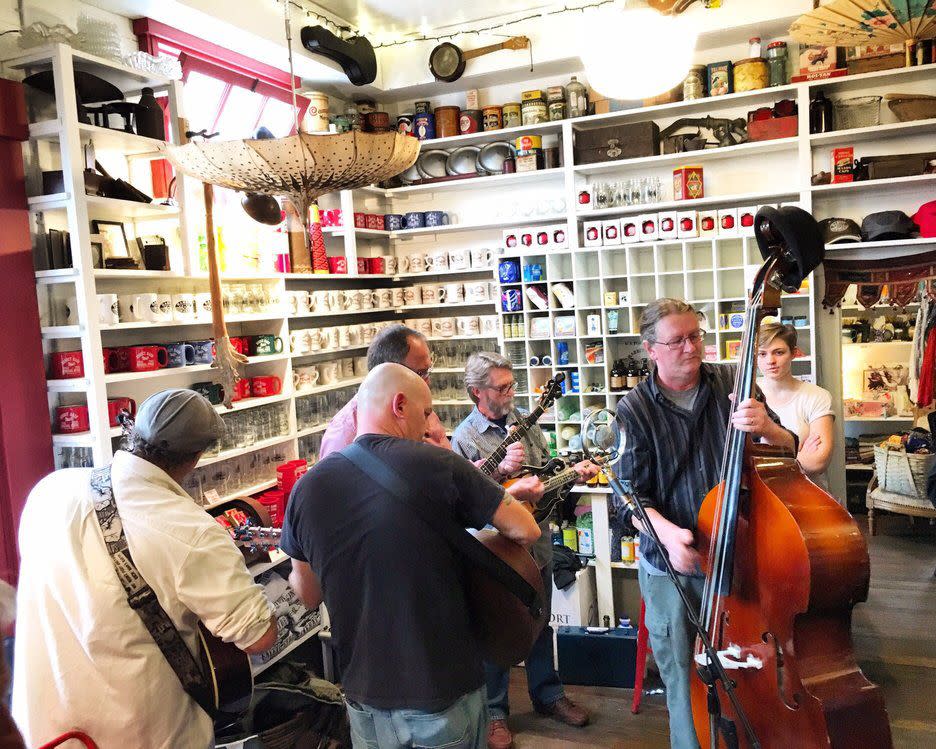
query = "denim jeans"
{"x": 673, "y": 640}
{"x": 462, "y": 725}
{"x": 542, "y": 680}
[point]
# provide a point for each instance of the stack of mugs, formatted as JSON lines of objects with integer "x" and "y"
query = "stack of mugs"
{"x": 150, "y": 307}
{"x": 334, "y": 337}
{"x": 485, "y": 326}
{"x": 468, "y": 292}
{"x": 338, "y": 301}
{"x": 441, "y": 261}
{"x": 325, "y": 374}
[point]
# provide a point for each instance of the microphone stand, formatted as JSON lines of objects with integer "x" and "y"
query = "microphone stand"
{"x": 714, "y": 671}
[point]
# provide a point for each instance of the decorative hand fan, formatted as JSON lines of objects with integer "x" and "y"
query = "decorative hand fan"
{"x": 850, "y": 23}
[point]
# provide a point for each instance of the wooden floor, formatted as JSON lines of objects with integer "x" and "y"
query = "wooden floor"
{"x": 895, "y": 641}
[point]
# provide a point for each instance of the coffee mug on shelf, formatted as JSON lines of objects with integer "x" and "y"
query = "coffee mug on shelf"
{"x": 116, "y": 405}
{"x": 204, "y": 351}
{"x": 335, "y": 301}
{"x": 337, "y": 264}
{"x": 329, "y": 338}
{"x": 347, "y": 368}
{"x": 459, "y": 259}
{"x": 125, "y": 307}
{"x": 203, "y": 306}
{"x": 383, "y": 298}
{"x": 453, "y": 293}
{"x": 66, "y": 365}
{"x": 431, "y": 294}
{"x": 108, "y": 309}
{"x": 240, "y": 344}
{"x": 376, "y": 265}
{"x": 468, "y": 325}
{"x": 299, "y": 342}
{"x": 70, "y": 311}
{"x": 423, "y": 325}
{"x": 367, "y": 299}
{"x": 329, "y": 372}
{"x": 438, "y": 261}
{"x": 392, "y": 221}
{"x": 436, "y": 218}
{"x": 112, "y": 360}
{"x": 412, "y": 295}
{"x": 481, "y": 257}
{"x": 344, "y": 336}
{"x": 355, "y": 335}
{"x": 241, "y": 389}
{"x": 305, "y": 378}
{"x": 264, "y": 386}
{"x": 71, "y": 419}
{"x": 397, "y": 296}
{"x": 213, "y": 391}
{"x": 368, "y": 331}
{"x": 265, "y": 345}
{"x": 360, "y": 366}
{"x": 443, "y": 326}
{"x": 180, "y": 354}
{"x": 414, "y": 220}
{"x": 391, "y": 264}
{"x": 147, "y": 358}
{"x": 316, "y": 339}
{"x": 490, "y": 325}
{"x": 145, "y": 308}
{"x": 477, "y": 292}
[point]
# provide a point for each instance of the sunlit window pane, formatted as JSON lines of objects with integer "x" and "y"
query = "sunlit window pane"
{"x": 278, "y": 117}
{"x": 202, "y": 94}
{"x": 239, "y": 114}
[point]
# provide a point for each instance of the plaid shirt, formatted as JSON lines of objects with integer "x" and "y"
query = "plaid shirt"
{"x": 477, "y": 437}
{"x": 658, "y": 434}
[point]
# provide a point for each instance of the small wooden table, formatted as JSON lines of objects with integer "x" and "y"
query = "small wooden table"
{"x": 879, "y": 499}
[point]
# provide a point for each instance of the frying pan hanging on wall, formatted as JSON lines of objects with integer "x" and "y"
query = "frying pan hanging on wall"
{"x": 447, "y": 62}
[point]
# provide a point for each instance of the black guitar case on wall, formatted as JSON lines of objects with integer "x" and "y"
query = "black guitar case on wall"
{"x": 355, "y": 55}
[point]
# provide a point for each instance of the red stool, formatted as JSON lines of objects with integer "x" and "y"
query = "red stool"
{"x": 77, "y": 735}
{"x": 642, "y": 648}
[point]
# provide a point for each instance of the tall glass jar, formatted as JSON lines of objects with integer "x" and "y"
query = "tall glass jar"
{"x": 777, "y": 63}
{"x": 577, "y": 98}
{"x": 693, "y": 86}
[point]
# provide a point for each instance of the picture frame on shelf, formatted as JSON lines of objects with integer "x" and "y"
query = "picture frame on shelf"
{"x": 116, "y": 250}
{"x": 154, "y": 252}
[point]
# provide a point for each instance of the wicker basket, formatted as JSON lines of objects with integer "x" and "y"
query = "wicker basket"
{"x": 860, "y": 111}
{"x": 901, "y": 473}
{"x": 909, "y": 107}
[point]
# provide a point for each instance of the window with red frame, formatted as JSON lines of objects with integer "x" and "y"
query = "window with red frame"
{"x": 224, "y": 91}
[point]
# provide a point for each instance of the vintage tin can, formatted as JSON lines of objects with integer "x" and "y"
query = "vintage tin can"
{"x": 688, "y": 183}
{"x": 446, "y": 121}
{"x": 422, "y": 107}
{"x": 512, "y": 115}
{"x": 492, "y": 118}
{"x": 316, "y": 117}
{"x": 404, "y": 124}
{"x": 469, "y": 121}
{"x": 527, "y": 144}
{"x": 557, "y": 111}
{"x": 751, "y": 74}
{"x": 424, "y": 126}
{"x": 534, "y": 112}
{"x": 530, "y": 95}
{"x": 555, "y": 93}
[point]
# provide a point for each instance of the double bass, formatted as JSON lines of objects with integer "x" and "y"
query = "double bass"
{"x": 785, "y": 564}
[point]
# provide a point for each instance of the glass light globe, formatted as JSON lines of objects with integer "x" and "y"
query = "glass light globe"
{"x": 635, "y": 54}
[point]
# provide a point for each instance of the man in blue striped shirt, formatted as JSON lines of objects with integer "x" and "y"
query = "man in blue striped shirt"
{"x": 682, "y": 409}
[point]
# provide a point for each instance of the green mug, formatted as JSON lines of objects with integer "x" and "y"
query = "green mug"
{"x": 213, "y": 391}
{"x": 263, "y": 345}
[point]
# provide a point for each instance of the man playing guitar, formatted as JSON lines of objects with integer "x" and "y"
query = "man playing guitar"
{"x": 490, "y": 384}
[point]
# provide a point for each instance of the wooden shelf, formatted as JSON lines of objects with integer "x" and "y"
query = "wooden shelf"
{"x": 874, "y": 132}
{"x": 104, "y": 138}
{"x": 237, "y": 452}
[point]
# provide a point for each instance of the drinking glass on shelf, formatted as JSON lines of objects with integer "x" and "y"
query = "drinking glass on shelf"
{"x": 602, "y": 195}
{"x": 633, "y": 191}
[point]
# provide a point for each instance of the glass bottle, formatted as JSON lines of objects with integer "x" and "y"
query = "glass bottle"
{"x": 577, "y": 96}
{"x": 754, "y": 46}
{"x": 617, "y": 378}
{"x": 693, "y": 86}
{"x": 633, "y": 375}
{"x": 777, "y": 63}
{"x": 645, "y": 371}
{"x": 820, "y": 114}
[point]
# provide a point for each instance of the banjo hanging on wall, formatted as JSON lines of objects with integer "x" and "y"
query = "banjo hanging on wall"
{"x": 447, "y": 62}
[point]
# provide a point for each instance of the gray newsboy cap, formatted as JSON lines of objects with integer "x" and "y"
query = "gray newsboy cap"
{"x": 179, "y": 420}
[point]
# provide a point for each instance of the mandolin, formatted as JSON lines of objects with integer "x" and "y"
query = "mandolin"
{"x": 554, "y": 489}
{"x": 551, "y": 391}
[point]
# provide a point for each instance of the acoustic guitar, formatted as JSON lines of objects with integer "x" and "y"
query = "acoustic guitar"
{"x": 225, "y": 666}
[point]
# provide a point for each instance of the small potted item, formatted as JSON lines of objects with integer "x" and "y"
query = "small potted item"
{"x": 559, "y": 237}
{"x": 727, "y": 222}
{"x": 687, "y": 224}
{"x": 649, "y": 226}
{"x": 611, "y": 232}
{"x": 592, "y": 234}
{"x": 630, "y": 230}
{"x": 708, "y": 223}
{"x": 669, "y": 225}
{"x": 543, "y": 238}
{"x": 511, "y": 238}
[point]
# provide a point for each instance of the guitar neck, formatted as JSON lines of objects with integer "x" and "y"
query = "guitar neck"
{"x": 523, "y": 426}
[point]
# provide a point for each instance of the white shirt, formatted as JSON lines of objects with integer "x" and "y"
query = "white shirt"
{"x": 807, "y": 403}
{"x": 84, "y": 660}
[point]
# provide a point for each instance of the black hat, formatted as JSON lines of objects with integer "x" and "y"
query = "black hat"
{"x": 877, "y": 227}
{"x": 794, "y": 234}
{"x": 839, "y": 230}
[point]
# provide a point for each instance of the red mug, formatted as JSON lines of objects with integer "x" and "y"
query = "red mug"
{"x": 116, "y": 405}
{"x": 337, "y": 264}
{"x": 240, "y": 344}
{"x": 360, "y": 220}
{"x": 66, "y": 365}
{"x": 111, "y": 360}
{"x": 376, "y": 265}
{"x": 147, "y": 358}
{"x": 71, "y": 419}
{"x": 361, "y": 266}
{"x": 265, "y": 385}
{"x": 374, "y": 220}
{"x": 241, "y": 389}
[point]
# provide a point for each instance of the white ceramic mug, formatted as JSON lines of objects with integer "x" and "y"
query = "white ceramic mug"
{"x": 431, "y": 294}
{"x": 453, "y": 293}
{"x": 70, "y": 310}
{"x": 183, "y": 307}
{"x": 344, "y": 337}
{"x": 438, "y": 261}
{"x": 459, "y": 259}
{"x": 329, "y": 372}
{"x": 391, "y": 264}
{"x": 335, "y": 301}
{"x": 355, "y": 335}
{"x": 383, "y": 298}
{"x": 299, "y": 342}
{"x": 477, "y": 292}
{"x": 329, "y": 338}
{"x": 415, "y": 263}
{"x": 353, "y": 300}
{"x": 480, "y": 257}
{"x": 108, "y": 309}
{"x": 164, "y": 305}
{"x": 467, "y": 325}
{"x": 490, "y": 325}
{"x": 367, "y": 298}
{"x": 317, "y": 300}
{"x": 305, "y": 378}
{"x": 412, "y": 295}
{"x": 422, "y": 325}
{"x": 316, "y": 339}
{"x": 125, "y": 307}
{"x": 347, "y": 368}
{"x": 360, "y": 366}
{"x": 145, "y": 308}
{"x": 398, "y": 296}
{"x": 203, "y": 306}
{"x": 368, "y": 331}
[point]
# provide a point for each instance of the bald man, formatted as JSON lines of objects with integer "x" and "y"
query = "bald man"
{"x": 411, "y": 668}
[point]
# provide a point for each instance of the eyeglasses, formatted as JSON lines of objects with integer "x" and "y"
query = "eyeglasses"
{"x": 424, "y": 373}
{"x": 693, "y": 338}
{"x": 504, "y": 389}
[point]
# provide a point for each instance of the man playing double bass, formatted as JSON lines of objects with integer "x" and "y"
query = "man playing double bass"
{"x": 675, "y": 424}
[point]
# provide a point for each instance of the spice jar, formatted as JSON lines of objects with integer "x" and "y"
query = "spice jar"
{"x": 693, "y": 86}
{"x": 777, "y": 63}
{"x": 751, "y": 74}
{"x": 512, "y": 115}
{"x": 557, "y": 111}
{"x": 355, "y": 118}
{"x": 534, "y": 112}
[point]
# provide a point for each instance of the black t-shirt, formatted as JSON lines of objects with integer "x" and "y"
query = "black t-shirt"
{"x": 393, "y": 587}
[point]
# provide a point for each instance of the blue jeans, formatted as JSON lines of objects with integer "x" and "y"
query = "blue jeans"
{"x": 462, "y": 725}
{"x": 542, "y": 680}
{"x": 673, "y": 641}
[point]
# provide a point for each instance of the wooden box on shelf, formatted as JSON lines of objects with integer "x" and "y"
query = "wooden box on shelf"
{"x": 629, "y": 141}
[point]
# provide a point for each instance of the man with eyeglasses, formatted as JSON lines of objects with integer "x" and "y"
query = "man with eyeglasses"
{"x": 490, "y": 384}
{"x": 675, "y": 424}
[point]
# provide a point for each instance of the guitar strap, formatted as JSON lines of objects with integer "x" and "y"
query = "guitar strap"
{"x": 461, "y": 541}
{"x": 142, "y": 598}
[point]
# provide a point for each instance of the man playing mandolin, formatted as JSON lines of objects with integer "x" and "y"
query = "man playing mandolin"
{"x": 674, "y": 424}
{"x": 394, "y": 587}
{"x": 490, "y": 384}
